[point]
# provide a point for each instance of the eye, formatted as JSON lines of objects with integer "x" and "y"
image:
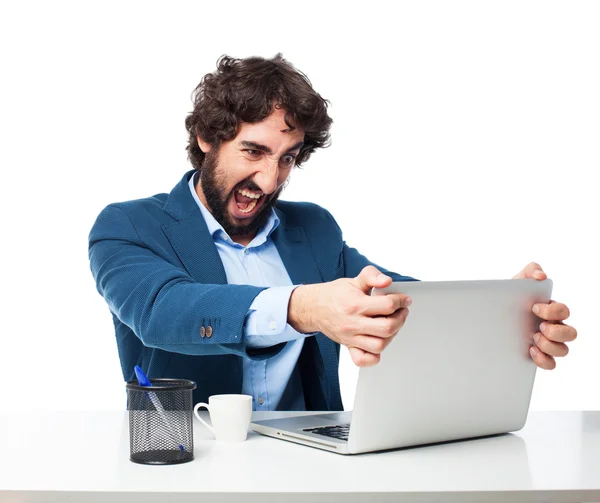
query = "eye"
{"x": 288, "y": 159}
{"x": 253, "y": 152}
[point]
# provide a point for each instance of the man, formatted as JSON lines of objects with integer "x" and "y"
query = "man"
{"x": 221, "y": 283}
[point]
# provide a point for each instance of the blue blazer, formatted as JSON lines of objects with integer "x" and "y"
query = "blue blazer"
{"x": 158, "y": 269}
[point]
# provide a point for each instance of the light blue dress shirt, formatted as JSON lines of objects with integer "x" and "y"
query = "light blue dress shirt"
{"x": 259, "y": 264}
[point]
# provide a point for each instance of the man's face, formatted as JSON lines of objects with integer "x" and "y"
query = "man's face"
{"x": 241, "y": 182}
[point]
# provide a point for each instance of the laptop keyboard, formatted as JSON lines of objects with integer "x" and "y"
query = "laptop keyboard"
{"x": 339, "y": 431}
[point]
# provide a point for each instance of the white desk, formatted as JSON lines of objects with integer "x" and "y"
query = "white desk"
{"x": 84, "y": 457}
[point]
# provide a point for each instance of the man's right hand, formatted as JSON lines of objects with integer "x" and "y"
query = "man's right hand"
{"x": 345, "y": 312}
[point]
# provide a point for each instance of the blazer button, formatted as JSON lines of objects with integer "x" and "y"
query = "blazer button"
{"x": 209, "y": 331}
{"x": 202, "y": 331}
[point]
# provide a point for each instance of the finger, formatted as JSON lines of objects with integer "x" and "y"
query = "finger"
{"x": 533, "y": 270}
{"x": 384, "y": 305}
{"x": 541, "y": 359}
{"x": 558, "y": 332}
{"x": 370, "y": 343}
{"x": 554, "y": 311}
{"x": 370, "y": 277}
{"x": 383, "y": 326}
{"x": 549, "y": 347}
{"x": 362, "y": 358}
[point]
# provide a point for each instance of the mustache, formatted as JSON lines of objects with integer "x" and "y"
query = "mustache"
{"x": 248, "y": 184}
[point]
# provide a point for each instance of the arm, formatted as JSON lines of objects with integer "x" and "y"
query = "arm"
{"x": 159, "y": 301}
{"x": 355, "y": 262}
{"x": 344, "y": 310}
{"x": 267, "y": 323}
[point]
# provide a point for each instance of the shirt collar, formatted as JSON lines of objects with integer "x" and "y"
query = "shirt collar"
{"x": 216, "y": 229}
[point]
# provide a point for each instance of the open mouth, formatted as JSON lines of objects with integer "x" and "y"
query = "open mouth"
{"x": 245, "y": 203}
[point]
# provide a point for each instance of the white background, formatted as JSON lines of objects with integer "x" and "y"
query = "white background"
{"x": 465, "y": 144}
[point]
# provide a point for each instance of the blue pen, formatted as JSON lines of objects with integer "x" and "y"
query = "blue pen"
{"x": 144, "y": 381}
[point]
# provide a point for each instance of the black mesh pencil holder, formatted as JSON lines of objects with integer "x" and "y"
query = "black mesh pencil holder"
{"x": 161, "y": 421}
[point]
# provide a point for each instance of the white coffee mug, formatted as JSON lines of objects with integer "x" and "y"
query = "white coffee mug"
{"x": 230, "y": 416}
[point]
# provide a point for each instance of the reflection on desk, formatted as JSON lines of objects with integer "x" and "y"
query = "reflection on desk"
{"x": 84, "y": 457}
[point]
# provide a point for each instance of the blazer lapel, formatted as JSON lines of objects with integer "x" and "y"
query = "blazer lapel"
{"x": 295, "y": 252}
{"x": 190, "y": 238}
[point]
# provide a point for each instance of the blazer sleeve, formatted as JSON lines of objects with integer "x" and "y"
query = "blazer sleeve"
{"x": 354, "y": 261}
{"x": 159, "y": 301}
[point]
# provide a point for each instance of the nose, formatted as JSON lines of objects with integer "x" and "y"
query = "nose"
{"x": 267, "y": 177}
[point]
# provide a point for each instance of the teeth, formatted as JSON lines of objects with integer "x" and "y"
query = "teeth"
{"x": 250, "y": 207}
{"x": 247, "y": 193}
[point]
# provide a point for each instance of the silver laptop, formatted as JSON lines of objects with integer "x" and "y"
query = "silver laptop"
{"x": 459, "y": 368}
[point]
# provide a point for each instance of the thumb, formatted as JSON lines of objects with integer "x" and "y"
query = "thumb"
{"x": 370, "y": 277}
{"x": 533, "y": 270}
{"x": 363, "y": 359}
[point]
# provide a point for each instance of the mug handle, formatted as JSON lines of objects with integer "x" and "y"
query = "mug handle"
{"x": 205, "y": 405}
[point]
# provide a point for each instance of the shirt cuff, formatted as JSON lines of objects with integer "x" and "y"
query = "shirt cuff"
{"x": 266, "y": 323}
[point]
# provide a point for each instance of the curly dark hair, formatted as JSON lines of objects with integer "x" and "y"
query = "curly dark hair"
{"x": 247, "y": 90}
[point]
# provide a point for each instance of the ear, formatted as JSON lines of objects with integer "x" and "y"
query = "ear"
{"x": 205, "y": 147}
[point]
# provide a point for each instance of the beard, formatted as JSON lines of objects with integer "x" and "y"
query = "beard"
{"x": 217, "y": 199}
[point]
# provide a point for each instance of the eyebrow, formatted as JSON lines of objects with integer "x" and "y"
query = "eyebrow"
{"x": 264, "y": 148}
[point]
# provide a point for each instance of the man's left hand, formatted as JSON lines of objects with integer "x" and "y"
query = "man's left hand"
{"x": 550, "y": 340}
